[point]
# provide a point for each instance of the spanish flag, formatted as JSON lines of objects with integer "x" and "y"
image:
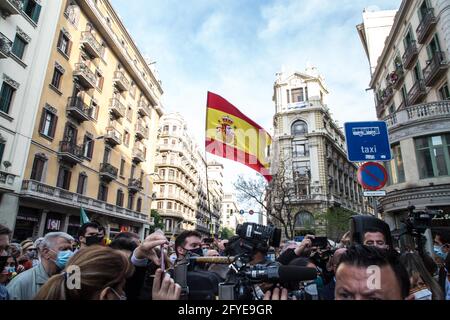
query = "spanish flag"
{"x": 232, "y": 135}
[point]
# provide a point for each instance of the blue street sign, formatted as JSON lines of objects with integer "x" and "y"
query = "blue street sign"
{"x": 367, "y": 141}
{"x": 242, "y": 212}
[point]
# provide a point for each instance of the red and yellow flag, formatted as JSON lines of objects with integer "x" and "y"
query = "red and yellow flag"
{"x": 232, "y": 135}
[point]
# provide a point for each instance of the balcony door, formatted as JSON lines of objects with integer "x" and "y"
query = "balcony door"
{"x": 433, "y": 47}
{"x": 107, "y": 155}
{"x": 423, "y": 10}
{"x": 70, "y": 134}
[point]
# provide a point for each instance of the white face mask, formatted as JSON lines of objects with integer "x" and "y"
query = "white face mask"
{"x": 423, "y": 294}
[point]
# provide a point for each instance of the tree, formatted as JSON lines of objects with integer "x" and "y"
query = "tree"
{"x": 159, "y": 221}
{"x": 226, "y": 234}
{"x": 276, "y": 198}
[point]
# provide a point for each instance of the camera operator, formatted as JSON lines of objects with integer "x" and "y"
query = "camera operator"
{"x": 371, "y": 273}
{"x": 375, "y": 237}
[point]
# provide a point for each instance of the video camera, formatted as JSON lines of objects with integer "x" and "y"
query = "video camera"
{"x": 418, "y": 222}
{"x": 242, "y": 276}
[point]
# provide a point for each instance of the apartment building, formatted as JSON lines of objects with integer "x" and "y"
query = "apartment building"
{"x": 26, "y": 37}
{"x": 308, "y": 153}
{"x": 94, "y": 139}
{"x": 411, "y": 85}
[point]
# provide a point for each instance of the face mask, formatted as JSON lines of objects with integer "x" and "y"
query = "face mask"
{"x": 173, "y": 258}
{"x": 62, "y": 258}
{"x": 11, "y": 269}
{"x": 423, "y": 294}
{"x": 121, "y": 297}
{"x": 311, "y": 289}
{"x": 93, "y": 240}
{"x": 438, "y": 251}
{"x": 196, "y": 252}
{"x": 205, "y": 251}
{"x": 32, "y": 255}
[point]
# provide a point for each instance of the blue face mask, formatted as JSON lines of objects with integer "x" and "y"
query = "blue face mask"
{"x": 11, "y": 269}
{"x": 62, "y": 258}
{"x": 438, "y": 251}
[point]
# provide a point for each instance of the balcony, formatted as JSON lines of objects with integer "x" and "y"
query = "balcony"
{"x": 91, "y": 45}
{"x": 138, "y": 155}
{"x": 426, "y": 26}
{"x": 397, "y": 77}
{"x": 85, "y": 76}
{"x": 436, "y": 68}
{"x": 5, "y": 46}
{"x": 113, "y": 137}
{"x": 10, "y": 7}
{"x": 70, "y": 153}
{"x": 108, "y": 172}
{"x": 7, "y": 182}
{"x": 141, "y": 131}
{"x": 417, "y": 93}
{"x": 122, "y": 83}
{"x": 388, "y": 93}
{"x": 144, "y": 109}
{"x": 134, "y": 185}
{"x": 117, "y": 108}
{"x": 78, "y": 110}
{"x": 37, "y": 191}
{"x": 426, "y": 111}
{"x": 410, "y": 56}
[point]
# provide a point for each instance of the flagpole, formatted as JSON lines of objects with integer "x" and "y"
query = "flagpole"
{"x": 206, "y": 160}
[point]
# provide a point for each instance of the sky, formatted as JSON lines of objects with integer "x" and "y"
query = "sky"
{"x": 235, "y": 48}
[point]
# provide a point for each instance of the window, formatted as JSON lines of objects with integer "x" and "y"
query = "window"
{"x": 64, "y": 43}
{"x": 433, "y": 47}
{"x": 166, "y": 141}
{"x": 404, "y": 96}
{"x": 433, "y": 158}
{"x": 88, "y": 147}
{"x": 169, "y": 205}
{"x": 395, "y": 166}
{"x": 166, "y": 129}
{"x": 107, "y": 155}
{"x": 102, "y": 192}
{"x": 120, "y": 198}
{"x": 82, "y": 183}
{"x": 300, "y": 149}
{"x": 299, "y": 128}
{"x": 32, "y": 9}
{"x": 19, "y": 46}
{"x": 122, "y": 167}
{"x": 100, "y": 80}
{"x": 444, "y": 92}
{"x": 139, "y": 205}
{"x": 6, "y": 97}
{"x": 130, "y": 114}
{"x": 56, "y": 79}
{"x": 133, "y": 169}
{"x": 168, "y": 225}
{"x": 298, "y": 95}
{"x": 300, "y": 167}
{"x": 126, "y": 138}
{"x": 38, "y": 168}
{"x": 162, "y": 190}
{"x": 304, "y": 220}
{"x": 2, "y": 150}
{"x": 64, "y": 177}
{"x": 417, "y": 73}
{"x": 48, "y": 123}
{"x": 130, "y": 201}
{"x": 162, "y": 173}
{"x": 160, "y": 205}
{"x": 408, "y": 40}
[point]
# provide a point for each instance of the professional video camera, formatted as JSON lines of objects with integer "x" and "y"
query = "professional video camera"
{"x": 416, "y": 224}
{"x": 243, "y": 275}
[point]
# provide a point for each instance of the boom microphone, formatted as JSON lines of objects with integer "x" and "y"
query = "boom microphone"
{"x": 283, "y": 274}
{"x": 215, "y": 260}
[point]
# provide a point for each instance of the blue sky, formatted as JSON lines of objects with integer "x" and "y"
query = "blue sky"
{"x": 235, "y": 48}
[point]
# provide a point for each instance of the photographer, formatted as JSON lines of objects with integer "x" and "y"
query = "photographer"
{"x": 304, "y": 249}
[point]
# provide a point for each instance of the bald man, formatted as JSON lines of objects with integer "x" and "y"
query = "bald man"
{"x": 328, "y": 290}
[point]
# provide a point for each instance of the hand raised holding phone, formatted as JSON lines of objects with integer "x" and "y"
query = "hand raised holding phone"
{"x": 147, "y": 249}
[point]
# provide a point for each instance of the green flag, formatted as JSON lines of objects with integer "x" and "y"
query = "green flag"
{"x": 83, "y": 216}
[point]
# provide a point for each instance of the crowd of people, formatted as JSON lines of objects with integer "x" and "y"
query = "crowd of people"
{"x": 127, "y": 268}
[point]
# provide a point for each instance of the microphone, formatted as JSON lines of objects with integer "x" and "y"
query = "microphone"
{"x": 283, "y": 274}
{"x": 215, "y": 260}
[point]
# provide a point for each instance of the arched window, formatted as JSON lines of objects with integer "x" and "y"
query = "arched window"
{"x": 304, "y": 220}
{"x": 299, "y": 128}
